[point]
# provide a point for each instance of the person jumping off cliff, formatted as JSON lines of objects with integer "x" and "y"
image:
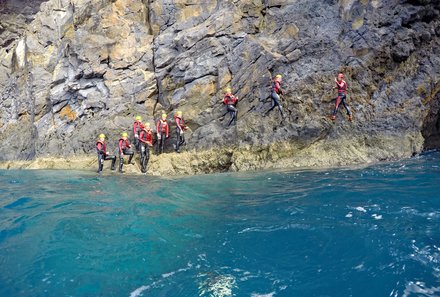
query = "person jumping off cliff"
{"x": 180, "y": 127}
{"x": 137, "y": 127}
{"x": 162, "y": 129}
{"x": 103, "y": 154}
{"x": 146, "y": 140}
{"x": 231, "y": 106}
{"x": 124, "y": 149}
{"x": 275, "y": 95}
{"x": 341, "y": 86}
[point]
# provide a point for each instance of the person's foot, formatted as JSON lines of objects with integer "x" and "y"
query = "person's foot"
{"x": 350, "y": 118}
{"x": 178, "y": 151}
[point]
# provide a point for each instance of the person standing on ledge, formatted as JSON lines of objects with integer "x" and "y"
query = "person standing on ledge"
{"x": 180, "y": 127}
{"x": 231, "y": 106}
{"x": 103, "y": 154}
{"x": 146, "y": 140}
{"x": 137, "y": 126}
{"x": 124, "y": 149}
{"x": 275, "y": 95}
{"x": 342, "y": 87}
{"x": 162, "y": 129}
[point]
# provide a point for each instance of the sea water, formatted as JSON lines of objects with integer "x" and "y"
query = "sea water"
{"x": 370, "y": 231}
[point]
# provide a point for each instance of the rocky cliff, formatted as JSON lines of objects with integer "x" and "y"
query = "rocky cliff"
{"x": 71, "y": 69}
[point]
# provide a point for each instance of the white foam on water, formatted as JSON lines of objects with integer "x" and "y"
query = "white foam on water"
{"x": 376, "y": 216}
{"x": 349, "y": 215}
{"x": 263, "y": 295}
{"x": 139, "y": 291}
{"x": 360, "y": 208}
{"x": 419, "y": 287}
{"x": 217, "y": 286}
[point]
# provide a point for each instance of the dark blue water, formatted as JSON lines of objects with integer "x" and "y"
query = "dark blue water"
{"x": 371, "y": 231}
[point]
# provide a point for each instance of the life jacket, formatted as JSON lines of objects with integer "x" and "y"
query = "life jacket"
{"x": 276, "y": 85}
{"x": 229, "y": 99}
{"x": 162, "y": 126}
{"x": 103, "y": 148}
{"x": 146, "y": 135}
{"x": 342, "y": 87}
{"x": 180, "y": 122}
{"x": 123, "y": 144}
{"x": 137, "y": 126}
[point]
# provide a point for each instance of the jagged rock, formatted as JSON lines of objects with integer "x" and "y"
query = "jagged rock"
{"x": 71, "y": 69}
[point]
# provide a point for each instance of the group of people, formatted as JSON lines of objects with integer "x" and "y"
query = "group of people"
{"x": 341, "y": 85}
{"x": 143, "y": 140}
{"x": 143, "y": 134}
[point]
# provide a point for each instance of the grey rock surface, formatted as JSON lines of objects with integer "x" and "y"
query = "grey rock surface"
{"x": 71, "y": 69}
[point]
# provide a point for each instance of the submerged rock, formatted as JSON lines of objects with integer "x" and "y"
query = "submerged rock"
{"x": 71, "y": 69}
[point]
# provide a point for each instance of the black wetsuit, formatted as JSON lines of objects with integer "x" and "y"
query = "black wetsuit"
{"x": 145, "y": 138}
{"x": 101, "y": 149}
{"x": 342, "y": 91}
{"x": 276, "y": 90}
{"x": 124, "y": 149}
{"x": 180, "y": 138}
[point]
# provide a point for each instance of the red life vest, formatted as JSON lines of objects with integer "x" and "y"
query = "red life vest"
{"x": 229, "y": 99}
{"x": 137, "y": 126}
{"x": 180, "y": 122}
{"x": 101, "y": 147}
{"x": 162, "y": 126}
{"x": 123, "y": 144}
{"x": 342, "y": 87}
{"x": 276, "y": 85}
{"x": 146, "y": 135}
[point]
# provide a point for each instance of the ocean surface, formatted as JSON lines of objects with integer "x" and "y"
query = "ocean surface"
{"x": 366, "y": 231}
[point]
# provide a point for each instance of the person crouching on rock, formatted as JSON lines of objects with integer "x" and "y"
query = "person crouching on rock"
{"x": 101, "y": 149}
{"x": 137, "y": 126}
{"x": 124, "y": 149}
{"x": 342, "y": 87}
{"x": 231, "y": 105}
{"x": 146, "y": 140}
{"x": 275, "y": 95}
{"x": 180, "y": 127}
{"x": 162, "y": 130}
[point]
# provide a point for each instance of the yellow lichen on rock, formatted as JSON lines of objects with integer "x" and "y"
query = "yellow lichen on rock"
{"x": 357, "y": 23}
{"x": 68, "y": 113}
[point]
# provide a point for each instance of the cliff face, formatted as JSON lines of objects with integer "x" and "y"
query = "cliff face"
{"x": 70, "y": 70}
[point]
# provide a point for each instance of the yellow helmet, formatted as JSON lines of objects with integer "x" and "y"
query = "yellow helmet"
{"x": 138, "y": 118}
{"x": 278, "y": 76}
{"x": 179, "y": 112}
{"x": 164, "y": 115}
{"x": 228, "y": 90}
{"x": 124, "y": 134}
{"x": 101, "y": 136}
{"x": 147, "y": 125}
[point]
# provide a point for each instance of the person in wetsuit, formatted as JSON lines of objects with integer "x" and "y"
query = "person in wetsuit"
{"x": 275, "y": 95}
{"x": 162, "y": 130}
{"x": 341, "y": 86}
{"x": 180, "y": 127}
{"x": 137, "y": 126}
{"x": 146, "y": 140}
{"x": 124, "y": 149}
{"x": 231, "y": 105}
{"x": 103, "y": 154}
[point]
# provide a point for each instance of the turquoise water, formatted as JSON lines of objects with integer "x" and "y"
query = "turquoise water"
{"x": 371, "y": 231}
